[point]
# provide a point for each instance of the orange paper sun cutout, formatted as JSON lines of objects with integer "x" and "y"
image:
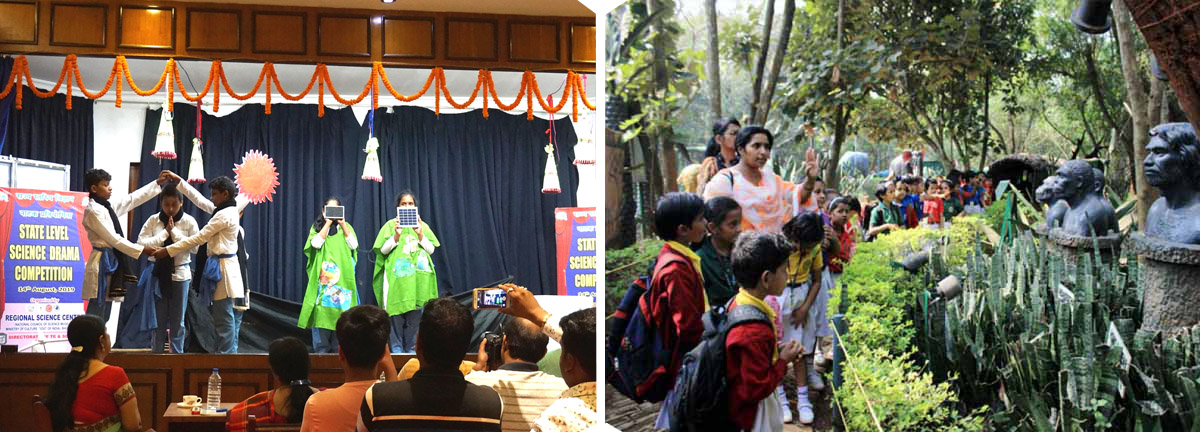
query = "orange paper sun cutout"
{"x": 256, "y": 176}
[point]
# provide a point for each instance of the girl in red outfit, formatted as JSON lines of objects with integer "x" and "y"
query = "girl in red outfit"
{"x": 86, "y": 393}
{"x": 753, "y": 364}
{"x": 935, "y": 205}
{"x": 285, "y": 404}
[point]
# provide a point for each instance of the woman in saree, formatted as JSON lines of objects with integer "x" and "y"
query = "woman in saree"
{"x": 87, "y": 394}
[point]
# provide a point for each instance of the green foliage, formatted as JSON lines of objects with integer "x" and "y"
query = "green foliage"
{"x": 901, "y": 397}
{"x": 882, "y": 331}
{"x": 622, "y": 266}
{"x": 1054, "y": 346}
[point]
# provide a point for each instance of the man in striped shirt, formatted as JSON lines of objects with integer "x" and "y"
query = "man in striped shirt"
{"x": 525, "y": 390}
{"x": 437, "y": 397}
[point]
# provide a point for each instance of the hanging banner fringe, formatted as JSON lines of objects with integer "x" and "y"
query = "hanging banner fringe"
{"x": 484, "y": 87}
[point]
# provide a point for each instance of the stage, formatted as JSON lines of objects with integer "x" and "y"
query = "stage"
{"x": 158, "y": 379}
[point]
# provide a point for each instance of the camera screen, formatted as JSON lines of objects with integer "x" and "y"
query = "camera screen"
{"x": 492, "y": 298}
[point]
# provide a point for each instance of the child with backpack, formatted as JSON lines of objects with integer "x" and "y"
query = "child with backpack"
{"x": 727, "y": 382}
{"x": 676, "y": 299}
{"x": 804, "y": 305}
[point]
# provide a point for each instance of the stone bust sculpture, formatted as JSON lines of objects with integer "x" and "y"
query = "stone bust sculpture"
{"x": 1173, "y": 166}
{"x": 1088, "y": 213}
{"x": 1051, "y": 193}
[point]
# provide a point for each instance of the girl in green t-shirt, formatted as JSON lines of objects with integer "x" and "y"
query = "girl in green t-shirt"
{"x": 404, "y": 277}
{"x": 885, "y": 217}
{"x": 331, "y": 252}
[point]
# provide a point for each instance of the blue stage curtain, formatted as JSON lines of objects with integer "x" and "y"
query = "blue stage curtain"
{"x": 478, "y": 183}
{"x": 6, "y": 64}
{"x": 45, "y": 130}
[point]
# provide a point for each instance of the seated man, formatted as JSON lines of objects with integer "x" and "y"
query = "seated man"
{"x": 437, "y": 397}
{"x": 575, "y": 409}
{"x": 362, "y": 332}
{"x": 525, "y": 390}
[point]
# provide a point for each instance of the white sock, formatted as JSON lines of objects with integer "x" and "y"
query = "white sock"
{"x": 802, "y": 392}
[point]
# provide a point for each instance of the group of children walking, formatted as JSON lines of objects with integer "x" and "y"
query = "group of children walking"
{"x": 154, "y": 309}
{"x": 911, "y": 201}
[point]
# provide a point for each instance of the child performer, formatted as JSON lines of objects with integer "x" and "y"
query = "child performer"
{"x": 171, "y": 278}
{"x": 223, "y": 271}
{"x": 101, "y": 220}
{"x": 404, "y": 278}
{"x": 331, "y": 252}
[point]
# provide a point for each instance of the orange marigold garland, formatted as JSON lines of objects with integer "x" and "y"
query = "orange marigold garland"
{"x": 256, "y": 177}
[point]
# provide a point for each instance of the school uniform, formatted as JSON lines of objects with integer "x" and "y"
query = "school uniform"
{"x": 752, "y": 365}
{"x": 677, "y": 302}
{"x": 107, "y": 239}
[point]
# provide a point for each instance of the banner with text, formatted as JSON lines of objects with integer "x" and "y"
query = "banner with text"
{"x": 45, "y": 250}
{"x": 575, "y": 232}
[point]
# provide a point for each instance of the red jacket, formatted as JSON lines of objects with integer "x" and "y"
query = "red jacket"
{"x": 749, "y": 349}
{"x": 677, "y": 305}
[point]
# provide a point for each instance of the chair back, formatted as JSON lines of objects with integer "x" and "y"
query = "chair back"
{"x": 41, "y": 416}
{"x": 253, "y": 425}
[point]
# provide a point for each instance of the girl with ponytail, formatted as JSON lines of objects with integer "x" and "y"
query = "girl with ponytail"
{"x": 86, "y": 393}
{"x": 285, "y": 404}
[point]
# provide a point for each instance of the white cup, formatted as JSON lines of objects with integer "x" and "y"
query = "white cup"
{"x": 191, "y": 400}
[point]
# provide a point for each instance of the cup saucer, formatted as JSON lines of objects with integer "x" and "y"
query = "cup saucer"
{"x": 186, "y": 406}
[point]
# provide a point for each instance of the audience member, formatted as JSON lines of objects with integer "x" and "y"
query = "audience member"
{"x": 413, "y": 365}
{"x": 575, "y": 409}
{"x": 437, "y": 397}
{"x": 289, "y": 361}
{"x": 363, "y": 333}
{"x": 525, "y": 390}
{"x": 88, "y": 394}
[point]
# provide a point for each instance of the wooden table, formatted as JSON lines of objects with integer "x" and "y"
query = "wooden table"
{"x": 177, "y": 419}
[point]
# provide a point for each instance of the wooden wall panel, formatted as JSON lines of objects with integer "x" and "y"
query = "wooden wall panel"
{"x": 280, "y": 33}
{"x": 77, "y": 25}
{"x": 533, "y": 41}
{"x": 214, "y": 30}
{"x": 284, "y": 34}
{"x": 153, "y": 389}
{"x": 345, "y": 35}
{"x": 18, "y": 22}
{"x": 408, "y": 37}
{"x": 146, "y": 27}
{"x": 472, "y": 39}
{"x": 583, "y": 43}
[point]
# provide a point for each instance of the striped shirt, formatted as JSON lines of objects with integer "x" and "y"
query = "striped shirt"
{"x": 432, "y": 400}
{"x": 525, "y": 390}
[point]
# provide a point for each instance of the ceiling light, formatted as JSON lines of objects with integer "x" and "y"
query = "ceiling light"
{"x": 388, "y": 1}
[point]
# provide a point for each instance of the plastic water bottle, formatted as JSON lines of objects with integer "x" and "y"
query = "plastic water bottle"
{"x": 213, "y": 402}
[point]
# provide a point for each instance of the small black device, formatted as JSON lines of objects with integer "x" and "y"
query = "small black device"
{"x": 335, "y": 212}
{"x": 492, "y": 348}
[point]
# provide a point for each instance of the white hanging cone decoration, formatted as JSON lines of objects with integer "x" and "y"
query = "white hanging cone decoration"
{"x": 164, "y": 145}
{"x": 550, "y": 183}
{"x": 196, "y": 168}
{"x": 371, "y": 169}
{"x": 585, "y": 147}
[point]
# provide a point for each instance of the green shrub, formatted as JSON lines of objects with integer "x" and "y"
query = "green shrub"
{"x": 622, "y": 266}
{"x": 901, "y": 397}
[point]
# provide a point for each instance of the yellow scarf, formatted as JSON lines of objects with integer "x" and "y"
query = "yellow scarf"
{"x": 687, "y": 252}
{"x": 745, "y": 298}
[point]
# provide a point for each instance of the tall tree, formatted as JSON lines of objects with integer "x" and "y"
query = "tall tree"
{"x": 1139, "y": 106}
{"x": 714, "y": 59}
{"x": 761, "y": 65}
{"x": 764, "y": 102}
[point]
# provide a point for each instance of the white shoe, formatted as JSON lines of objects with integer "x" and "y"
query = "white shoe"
{"x": 805, "y": 409}
{"x": 783, "y": 402}
{"x": 814, "y": 380}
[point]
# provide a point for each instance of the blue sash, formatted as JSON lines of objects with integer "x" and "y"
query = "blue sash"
{"x": 207, "y": 286}
{"x": 108, "y": 266}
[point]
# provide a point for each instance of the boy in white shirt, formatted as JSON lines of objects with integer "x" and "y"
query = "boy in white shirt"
{"x": 222, "y": 268}
{"x": 101, "y": 220}
{"x": 172, "y": 277}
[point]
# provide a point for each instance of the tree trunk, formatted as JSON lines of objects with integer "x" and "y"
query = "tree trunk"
{"x": 714, "y": 60}
{"x": 832, "y": 178}
{"x": 987, "y": 120}
{"x": 1138, "y": 102}
{"x": 764, "y": 102}
{"x": 756, "y": 91}
{"x": 663, "y": 137}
